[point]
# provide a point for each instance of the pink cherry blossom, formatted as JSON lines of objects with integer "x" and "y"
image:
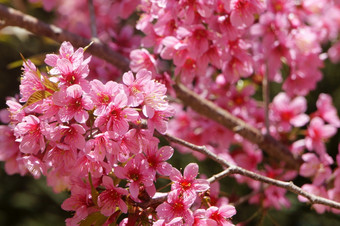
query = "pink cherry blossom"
{"x": 221, "y": 214}
{"x": 109, "y": 199}
{"x": 156, "y": 158}
{"x": 317, "y": 132}
{"x": 29, "y": 133}
{"x": 287, "y": 112}
{"x": 326, "y": 110}
{"x": 313, "y": 167}
{"x": 74, "y": 104}
{"x": 176, "y": 206}
{"x": 102, "y": 95}
{"x": 138, "y": 173}
{"x": 116, "y": 116}
{"x": 187, "y": 184}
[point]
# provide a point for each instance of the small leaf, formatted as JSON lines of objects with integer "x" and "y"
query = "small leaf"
{"x": 50, "y": 85}
{"x": 95, "y": 218}
{"x": 37, "y": 96}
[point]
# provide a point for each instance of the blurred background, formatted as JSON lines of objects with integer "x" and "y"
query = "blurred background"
{"x": 29, "y": 202}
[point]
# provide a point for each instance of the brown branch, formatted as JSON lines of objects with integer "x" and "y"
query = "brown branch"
{"x": 13, "y": 17}
{"x": 207, "y": 108}
{"x": 232, "y": 169}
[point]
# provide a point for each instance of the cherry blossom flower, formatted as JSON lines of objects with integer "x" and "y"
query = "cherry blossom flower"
{"x": 187, "y": 185}
{"x": 287, "y": 112}
{"x": 176, "y": 206}
{"x": 157, "y": 157}
{"x": 30, "y": 135}
{"x": 74, "y": 104}
{"x": 138, "y": 173}
{"x": 221, "y": 214}
{"x": 109, "y": 199}
{"x": 317, "y": 132}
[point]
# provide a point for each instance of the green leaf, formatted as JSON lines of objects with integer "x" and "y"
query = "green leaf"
{"x": 95, "y": 218}
{"x": 37, "y": 96}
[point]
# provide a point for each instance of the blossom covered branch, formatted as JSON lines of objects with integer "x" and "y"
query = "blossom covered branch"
{"x": 233, "y": 169}
{"x": 207, "y": 108}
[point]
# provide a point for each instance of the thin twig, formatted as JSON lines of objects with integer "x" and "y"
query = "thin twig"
{"x": 13, "y": 17}
{"x": 232, "y": 169}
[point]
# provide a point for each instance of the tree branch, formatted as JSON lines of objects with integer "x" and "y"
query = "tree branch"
{"x": 232, "y": 169}
{"x": 272, "y": 147}
{"x": 13, "y": 17}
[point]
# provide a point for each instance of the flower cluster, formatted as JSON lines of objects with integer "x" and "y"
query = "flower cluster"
{"x": 97, "y": 141}
{"x": 222, "y": 50}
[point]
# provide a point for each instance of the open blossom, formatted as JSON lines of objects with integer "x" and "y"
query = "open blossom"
{"x": 29, "y": 133}
{"x": 141, "y": 58}
{"x": 109, "y": 199}
{"x": 69, "y": 66}
{"x": 71, "y": 135}
{"x": 287, "y": 112}
{"x": 221, "y": 214}
{"x": 115, "y": 118}
{"x": 313, "y": 167}
{"x": 242, "y": 11}
{"x": 102, "y": 95}
{"x": 30, "y": 82}
{"x": 157, "y": 157}
{"x": 326, "y": 110}
{"x": 187, "y": 185}
{"x": 136, "y": 86}
{"x": 317, "y": 132}
{"x": 138, "y": 173}
{"x": 176, "y": 206}
{"x": 74, "y": 104}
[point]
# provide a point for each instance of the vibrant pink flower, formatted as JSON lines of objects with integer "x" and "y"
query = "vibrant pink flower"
{"x": 116, "y": 116}
{"x": 31, "y": 81}
{"x": 100, "y": 146}
{"x": 109, "y": 199}
{"x": 138, "y": 173}
{"x": 156, "y": 158}
{"x": 287, "y": 112}
{"x": 142, "y": 59}
{"x": 9, "y": 147}
{"x": 317, "y": 132}
{"x": 71, "y": 135}
{"x": 201, "y": 220}
{"x": 34, "y": 165}
{"x": 102, "y": 95}
{"x": 74, "y": 104}
{"x": 29, "y": 133}
{"x": 187, "y": 184}
{"x": 81, "y": 202}
{"x": 135, "y": 87}
{"x": 176, "y": 206}
{"x": 61, "y": 157}
{"x": 242, "y": 11}
{"x": 221, "y": 214}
